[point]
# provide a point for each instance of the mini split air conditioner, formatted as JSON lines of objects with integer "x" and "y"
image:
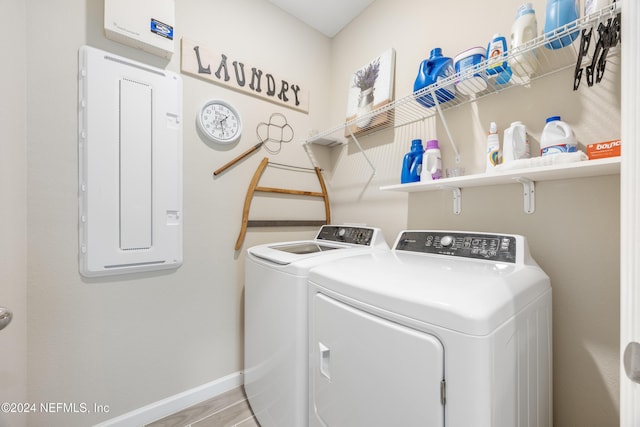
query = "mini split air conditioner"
{"x": 143, "y": 24}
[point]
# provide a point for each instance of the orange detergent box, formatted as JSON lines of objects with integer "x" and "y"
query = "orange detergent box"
{"x": 600, "y": 150}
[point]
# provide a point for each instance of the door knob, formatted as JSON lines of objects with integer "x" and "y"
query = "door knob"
{"x": 5, "y": 317}
{"x": 632, "y": 361}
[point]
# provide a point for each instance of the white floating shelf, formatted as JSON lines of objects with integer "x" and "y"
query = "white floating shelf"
{"x": 527, "y": 177}
{"x": 609, "y": 166}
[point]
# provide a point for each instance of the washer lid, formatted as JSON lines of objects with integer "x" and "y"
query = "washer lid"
{"x": 286, "y": 253}
{"x": 329, "y": 238}
{"x": 466, "y": 295}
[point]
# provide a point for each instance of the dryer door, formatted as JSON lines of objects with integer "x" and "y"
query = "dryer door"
{"x": 367, "y": 371}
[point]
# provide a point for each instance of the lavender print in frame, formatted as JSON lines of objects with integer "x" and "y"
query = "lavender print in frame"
{"x": 370, "y": 87}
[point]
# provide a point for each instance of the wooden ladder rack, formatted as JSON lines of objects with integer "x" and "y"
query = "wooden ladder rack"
{"x": 253, "y": 188}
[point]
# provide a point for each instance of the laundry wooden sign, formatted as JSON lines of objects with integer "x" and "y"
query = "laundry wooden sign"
{"x": 223, "y": 69}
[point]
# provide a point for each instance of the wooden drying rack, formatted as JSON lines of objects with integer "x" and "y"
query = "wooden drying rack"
{"x": 253, "y": 187}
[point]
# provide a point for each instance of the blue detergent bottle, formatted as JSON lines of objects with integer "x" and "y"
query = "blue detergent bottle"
{"x": 559, "y": 14}
{"x": 431, "y": 70}
{"x": 412, "y": 163}
{"x": 497, "y": 64}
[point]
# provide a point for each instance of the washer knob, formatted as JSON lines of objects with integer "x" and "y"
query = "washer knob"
{"x": 446, "y": 241}
{"x": 342, "y": 232}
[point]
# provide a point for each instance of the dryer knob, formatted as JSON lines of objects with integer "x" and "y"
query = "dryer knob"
{"x": 446, "y": 241}
{"x": 342, "y": 232}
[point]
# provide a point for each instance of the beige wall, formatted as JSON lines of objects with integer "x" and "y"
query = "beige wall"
{"x": 132, "y": 340}
{"x": 13, "y": 219}
{"x": 574, "y": 233}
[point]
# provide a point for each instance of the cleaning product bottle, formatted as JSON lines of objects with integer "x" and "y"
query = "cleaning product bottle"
{"x": 515, "y": 144}
{"x": 432, "y": 70}
{"x": 557, "y": 137}
{"x": 592, "y": 6}
{"x": 559, "y": 14}
{"x": 497, "y": 59}
{"x": 432, "y": 164}
{"x": 523, "y": 30}
{"x": 412, "y": 163}
{"x": 493, "y": 147}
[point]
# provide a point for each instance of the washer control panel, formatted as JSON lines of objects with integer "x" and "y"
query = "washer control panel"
{"x": 346, "y": 234}
{"x": 492, "y": 247}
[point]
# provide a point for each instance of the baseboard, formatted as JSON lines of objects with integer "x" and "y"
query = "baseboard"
{"x": 172, "y": 404}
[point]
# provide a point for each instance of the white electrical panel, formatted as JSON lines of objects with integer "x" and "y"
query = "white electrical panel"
{"x": 130, "y": 165}
{"x": 143, "y": 24}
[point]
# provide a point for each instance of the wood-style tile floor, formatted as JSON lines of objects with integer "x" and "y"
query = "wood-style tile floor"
{"x": 230, "y": 409}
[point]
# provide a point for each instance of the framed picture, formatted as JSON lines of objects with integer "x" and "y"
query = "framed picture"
{"x": 371, "y": 87}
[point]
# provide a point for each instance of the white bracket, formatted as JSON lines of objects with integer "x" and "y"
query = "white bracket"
{"x": 457, "y": 198}
{"x": 446, "y": 127}
{"x": 373, "y": 168}
{"x": 529, "y": 194}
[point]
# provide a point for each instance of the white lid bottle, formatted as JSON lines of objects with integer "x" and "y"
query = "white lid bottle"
{"x": 515, "y": 144}
{"x": 493, "y": 147}
{"x": 431, "y": 162}
{"x": 523, "y": 30}
{"x": 592, "y": 6}
{"x": 557, "y": 137}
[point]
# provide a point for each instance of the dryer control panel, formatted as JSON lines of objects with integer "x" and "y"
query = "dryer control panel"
{"x": 346, "y": 234}
{"x": 492, "y": 247}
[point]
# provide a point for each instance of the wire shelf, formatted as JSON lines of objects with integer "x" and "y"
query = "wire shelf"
{"x": 532, "y": 56}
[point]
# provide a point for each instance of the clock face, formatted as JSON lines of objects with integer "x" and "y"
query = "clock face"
{"x": 220, "y": 122}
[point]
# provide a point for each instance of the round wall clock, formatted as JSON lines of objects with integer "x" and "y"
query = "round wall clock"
{"x": 220, "y": 122}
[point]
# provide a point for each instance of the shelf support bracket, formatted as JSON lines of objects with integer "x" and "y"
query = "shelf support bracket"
{"x": 529, "y": 194}
{"x": 444, "y": 123}
{"x": 373, "y": 169}
{"x": 457, "y": 198}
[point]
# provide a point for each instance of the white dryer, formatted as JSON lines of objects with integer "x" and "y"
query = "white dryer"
{"x": 276, "y": 361}
{"x": 447, "y": 329}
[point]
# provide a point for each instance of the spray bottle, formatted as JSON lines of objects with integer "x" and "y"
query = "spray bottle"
{"x": 493, "y": 147}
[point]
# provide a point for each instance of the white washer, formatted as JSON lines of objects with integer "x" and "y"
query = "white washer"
{"x": 276, "y": 323}
{"x": 447, "y": 329}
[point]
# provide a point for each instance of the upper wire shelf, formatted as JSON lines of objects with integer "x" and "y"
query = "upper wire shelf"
{"x": 407, "y": 110}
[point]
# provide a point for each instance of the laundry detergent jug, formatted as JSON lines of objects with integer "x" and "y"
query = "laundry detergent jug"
{"x": 515, "y": 145}
{"x": 497, "y": 65}
{"x": 560, "y": 13}
{"x": 432, "y": 162}
{"x": 557, "y": 137}
{"x": 593, "y": 6}
{"x": 432, "y": 70}
{"x": 524, "y": 62}
{"x": 412, "y": 163}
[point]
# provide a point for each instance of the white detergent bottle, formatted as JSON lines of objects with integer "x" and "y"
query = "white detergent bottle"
{"x": 493, "y": 147}
{"x": 523, "y": 30}
{"x": 432, "y": 161}
{"x": 592, "y": 6}
{"x": 557, "y": 137}
{"x": 515, "y": 144}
